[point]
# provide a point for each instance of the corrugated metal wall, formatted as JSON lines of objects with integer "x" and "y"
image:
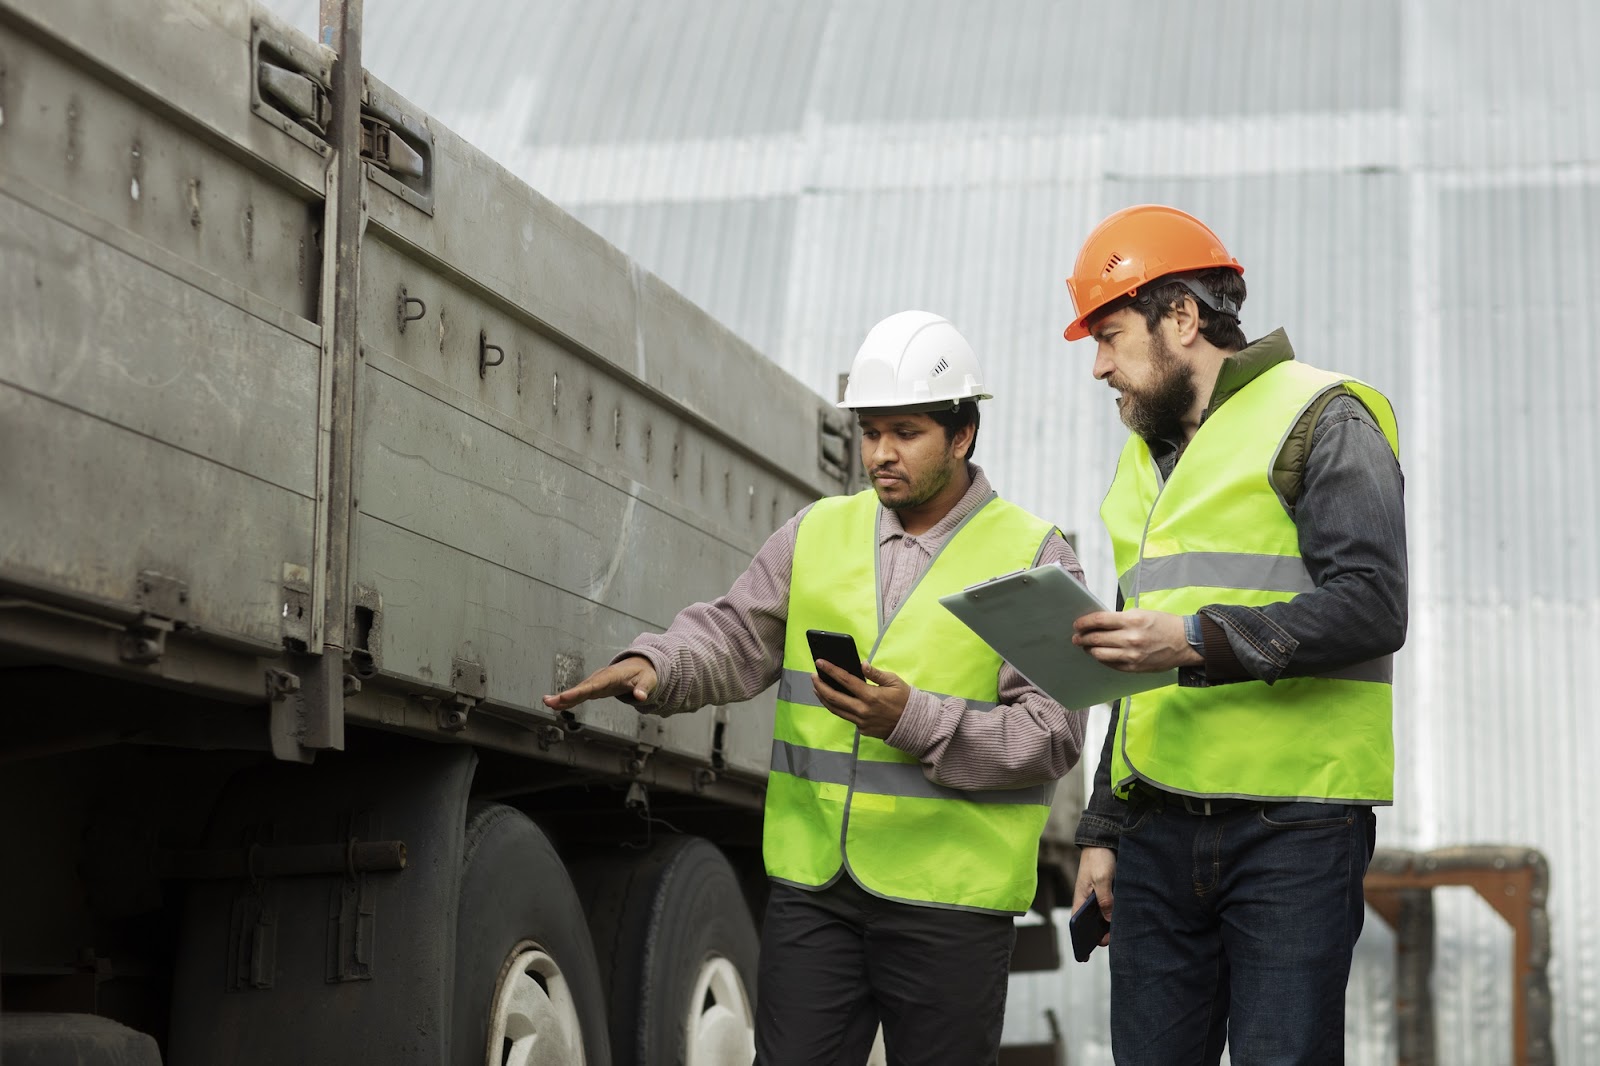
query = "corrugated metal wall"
{"x": 1413, "y": 185}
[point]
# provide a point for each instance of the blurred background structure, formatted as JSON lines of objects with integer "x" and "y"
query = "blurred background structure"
{"x": 1412, "y": 185}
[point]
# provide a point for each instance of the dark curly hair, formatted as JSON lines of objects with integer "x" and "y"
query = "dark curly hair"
{"x": 1159, "y": 298}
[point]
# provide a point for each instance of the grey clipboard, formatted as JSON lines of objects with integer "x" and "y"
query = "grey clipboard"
{"x": 1027, "y": 617}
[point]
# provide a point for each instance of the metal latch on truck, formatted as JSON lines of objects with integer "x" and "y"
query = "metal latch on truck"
{"x": 163, "y": 607}
{"x": 293, "y": 91}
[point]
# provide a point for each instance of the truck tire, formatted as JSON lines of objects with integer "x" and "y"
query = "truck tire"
{"x": 527, "y": 987}
{"x": 678, "y": 949}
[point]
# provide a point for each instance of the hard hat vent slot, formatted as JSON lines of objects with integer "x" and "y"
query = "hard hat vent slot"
{"x": 940, "y": 367}
{"x": 1115, "y": 261}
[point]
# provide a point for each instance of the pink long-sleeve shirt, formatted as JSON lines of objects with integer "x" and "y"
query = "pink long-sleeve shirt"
{"x": 730, "y": 649}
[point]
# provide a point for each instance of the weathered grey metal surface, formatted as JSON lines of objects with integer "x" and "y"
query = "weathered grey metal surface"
{"x": 156, "y": 365}
{"x": 202, "y": 47}
{"x": 1411, "y": 184}
{"x": 168, "y": 402}
{"x": 627, "y": 457}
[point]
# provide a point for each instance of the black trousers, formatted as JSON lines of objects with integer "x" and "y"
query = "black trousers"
{"x": 836, "y": 963}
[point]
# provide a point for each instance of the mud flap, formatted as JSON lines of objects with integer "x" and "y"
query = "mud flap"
{"x": 344, "y": 965}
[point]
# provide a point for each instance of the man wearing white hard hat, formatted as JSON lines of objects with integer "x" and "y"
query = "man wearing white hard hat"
{"x": 903, "y": 812}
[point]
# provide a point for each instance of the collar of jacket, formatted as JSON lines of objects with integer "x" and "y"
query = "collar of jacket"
{"x": 1247, "y": 364}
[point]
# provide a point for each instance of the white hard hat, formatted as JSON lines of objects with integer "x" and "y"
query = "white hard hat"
{"x": 914, "y": 359}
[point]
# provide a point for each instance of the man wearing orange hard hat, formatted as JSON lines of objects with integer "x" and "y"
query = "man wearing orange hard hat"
{"x": 1257, "y": 523}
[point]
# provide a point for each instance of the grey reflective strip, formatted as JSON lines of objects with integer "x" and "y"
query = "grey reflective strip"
{"x": 1224, "y": 570}
{"x": 813, "y": 764}
{"x": 1380, "y": 670}
{"x": 907, "y": 779}
{"x": 890, "y": 778}
{"x": 794, "y": 686}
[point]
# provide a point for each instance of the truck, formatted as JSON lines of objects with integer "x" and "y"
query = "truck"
{"x": 327, "y": 446}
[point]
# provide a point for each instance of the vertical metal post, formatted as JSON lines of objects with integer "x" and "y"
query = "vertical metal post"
{"x": 1515, "y": 881}
{"x": 348, "y": 217}
{"x": 322, "y": 671}
{"x": 1413, "y": 978}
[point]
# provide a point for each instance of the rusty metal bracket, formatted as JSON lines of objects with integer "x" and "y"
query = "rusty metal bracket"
{"x": 484, "y": 348}
{"x": 1515, "y": 881}
{"x": 302, "y": 706}
{"x": 470, "y": 682}
{"x": 385, "y": 149}
{"x": 403, "y": 309}
{"x": 163, "y": 607}
{"x": 353, "y": 911}
{"x": 261, "y": 861}
{"x": 651, "y": 731}
{"x": 252, "y": 941}
{"x": 286, "y": 716}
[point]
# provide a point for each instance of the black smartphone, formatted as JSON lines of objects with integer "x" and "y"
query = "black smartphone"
{"x": 1086, "y": 926}
{"x": 837, "y": 648}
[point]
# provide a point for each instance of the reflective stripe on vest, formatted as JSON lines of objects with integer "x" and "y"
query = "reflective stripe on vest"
{"x": 1217, "y": 532}
{"x": 838, "y": 800}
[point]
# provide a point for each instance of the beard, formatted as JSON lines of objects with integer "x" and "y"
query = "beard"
{"x": 1156, "y": 412}
{"x": 918, "y": 492}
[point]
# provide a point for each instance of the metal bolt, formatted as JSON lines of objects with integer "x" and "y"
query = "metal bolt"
{"x": 352, "y": 684}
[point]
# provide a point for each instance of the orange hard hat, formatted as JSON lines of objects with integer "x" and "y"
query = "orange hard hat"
{"x": 1135, "y": 246}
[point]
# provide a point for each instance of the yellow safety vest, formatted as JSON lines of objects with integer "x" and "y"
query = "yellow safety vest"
{"x": 837, "y": 800}
{"x": 1217, "y": 532}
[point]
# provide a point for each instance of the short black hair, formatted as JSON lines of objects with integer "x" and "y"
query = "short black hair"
{"x": 954, "y": 419}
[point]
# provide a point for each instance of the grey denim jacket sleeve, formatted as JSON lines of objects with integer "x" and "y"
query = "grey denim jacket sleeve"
{"x": 1351, "y": 522}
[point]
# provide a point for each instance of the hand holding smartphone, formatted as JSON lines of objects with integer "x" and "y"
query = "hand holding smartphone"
{"x": 1086, "y": 926}
{"x": 836, "y": 648}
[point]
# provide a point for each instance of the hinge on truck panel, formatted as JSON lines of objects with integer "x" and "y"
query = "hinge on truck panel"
{"x": 163, "y": 606}
{"x": 651, "y": 731}
{"x": 470, "y": 681}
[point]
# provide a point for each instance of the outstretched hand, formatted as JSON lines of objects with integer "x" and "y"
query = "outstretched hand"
{"x": 633, "y": 680}
{"x": 873, "y": 708}
{"x": 1139, "y": 642}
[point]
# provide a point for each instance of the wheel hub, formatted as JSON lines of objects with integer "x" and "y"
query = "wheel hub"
{"x": 535, "y": 1019}
{"x": 721, "y": 1029}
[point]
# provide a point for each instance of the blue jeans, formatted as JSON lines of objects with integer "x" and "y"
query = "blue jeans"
{"x": 1235, "y": 927}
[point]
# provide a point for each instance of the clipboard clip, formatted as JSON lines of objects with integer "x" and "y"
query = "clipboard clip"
{"x": 992, "y": 580}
